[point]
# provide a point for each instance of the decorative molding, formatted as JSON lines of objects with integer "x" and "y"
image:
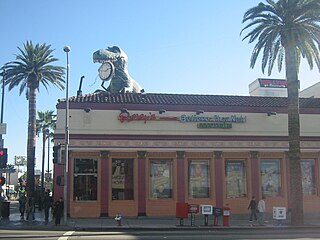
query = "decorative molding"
{"x": 217, "y": 154}
{"x": 161, "y": 154}
{"x": 191, "y": 144}
{"x": 254, "y": 154}
{"x": 181, "y": 154}
{"x": 104, "y": 154}
{"x": 198, "y": 155}
{"x": 142, "y": 154}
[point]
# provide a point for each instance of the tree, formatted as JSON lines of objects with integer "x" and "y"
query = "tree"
{"x": 46, "y": 121}
{"x": 32, "y": 68}
{"x": 286, "y": 30}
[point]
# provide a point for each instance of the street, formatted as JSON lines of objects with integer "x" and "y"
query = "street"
{"x": 172, "y": 235}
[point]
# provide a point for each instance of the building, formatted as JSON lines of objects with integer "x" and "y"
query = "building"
{"x": 268, "y": 87}
{"x": 140, "y": 154}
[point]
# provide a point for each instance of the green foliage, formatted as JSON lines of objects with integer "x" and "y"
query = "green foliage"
{"x": 276, "y": 26}
{"x": 32, "y": 67}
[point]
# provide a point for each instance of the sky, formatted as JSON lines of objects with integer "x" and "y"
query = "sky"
{"x": 173, "y": 46}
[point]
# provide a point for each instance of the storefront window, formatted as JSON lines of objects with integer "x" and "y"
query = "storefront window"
{"x": 270, "y": 177}
{"x": 122, "y": 179}
{"x": 308, "y": 177}
{"x": 236, "y": 179}
{"x": 199, "y": 179}
{"x": 85, "y": 179}
{"x": 160, "y": 179}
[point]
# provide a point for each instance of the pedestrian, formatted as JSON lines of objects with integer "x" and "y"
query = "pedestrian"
{"x": 253, "y": 209}
{"x": 47, "y": 203}
{"x": 262, "y": 210}
{"x": 30, "y": 208}
{"x": 58, "y": 211}
{"x": 22, "y": 205}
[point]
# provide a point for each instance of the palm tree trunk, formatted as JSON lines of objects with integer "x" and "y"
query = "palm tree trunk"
{"x": 31, "y": 145}
{"x": 43, "y": 158}
{"x": 296, "y": 194}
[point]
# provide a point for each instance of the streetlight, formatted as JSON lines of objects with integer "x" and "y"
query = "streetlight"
{"x": 66, "y": 49}
{"x": 3, "y": 74}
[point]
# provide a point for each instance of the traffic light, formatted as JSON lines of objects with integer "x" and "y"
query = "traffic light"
{"x": 56, "y": 154}
{"x": 3, "y": 157}
{"x": 2, "y": 181}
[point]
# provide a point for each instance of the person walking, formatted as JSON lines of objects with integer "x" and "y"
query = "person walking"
{"x": 47, "y": 204}
{"x": 262, "y": 211}
{"x": 30, "y": 208}
{"x": 253, "y": 209}
{"x": 58, "y": 211}
{"x": 22, "y": 205}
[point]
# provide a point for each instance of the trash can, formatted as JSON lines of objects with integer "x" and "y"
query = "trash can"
{"x": 5, "y": 209}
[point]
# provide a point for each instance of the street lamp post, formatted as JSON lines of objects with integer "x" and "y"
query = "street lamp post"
{"x": 2, "y": 103}
{"x": 65, "y": 187}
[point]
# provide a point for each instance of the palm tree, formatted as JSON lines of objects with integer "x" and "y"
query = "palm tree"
{"x": 32, "y": 67}
{"x": 46, "y": 121}
{"x": 286, "y": 30}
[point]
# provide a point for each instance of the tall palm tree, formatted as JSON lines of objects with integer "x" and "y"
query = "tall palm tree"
{"x": 45, "y": 122}
{"x": 286, "y": 30}
{"x": 32, "y": 68}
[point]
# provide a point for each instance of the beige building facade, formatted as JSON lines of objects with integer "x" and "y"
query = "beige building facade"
{"x": 140, "y": 154}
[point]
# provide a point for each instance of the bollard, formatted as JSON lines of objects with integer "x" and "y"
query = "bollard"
{"x": 118, "y": 218}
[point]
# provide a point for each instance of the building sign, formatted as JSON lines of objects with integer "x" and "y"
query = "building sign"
{"x": 215, "y": 121}
{"x": 20, "y": 160}
{"x": 273, "y": 83}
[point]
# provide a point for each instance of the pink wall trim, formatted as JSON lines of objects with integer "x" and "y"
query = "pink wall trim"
{"x": 218, "y": 181}
{"x": 181, "y": 182}
{"x": 255, "y": 185}
{"x": 104, "y": 184}
{"x": 142, "y": 186}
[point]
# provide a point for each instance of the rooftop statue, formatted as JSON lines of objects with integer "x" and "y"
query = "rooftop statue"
{"x": 114, "y": 68}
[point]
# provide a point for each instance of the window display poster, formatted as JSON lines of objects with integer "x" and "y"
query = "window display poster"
{"x": 270, "y": 177}
{"x": 235, "y": 179}
{"x": 160, "y": 182}
{"x": 118, "y": 174}
{"x": 122, "y": 179}
{"x": 308, "y": 177}
{"x": 199, "y": 179}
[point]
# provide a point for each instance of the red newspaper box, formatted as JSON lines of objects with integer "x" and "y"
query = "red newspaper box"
{"x": 182, "y": 210}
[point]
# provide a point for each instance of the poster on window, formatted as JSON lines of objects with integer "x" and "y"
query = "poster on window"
{"x": 270, "y": 177}
{"x": 308, "y": 177}
{"x": 199, "y": 179}
{"x": 235, "y": 179}
{"x": 118, "y": 174}
{"x": 160, "y": 172}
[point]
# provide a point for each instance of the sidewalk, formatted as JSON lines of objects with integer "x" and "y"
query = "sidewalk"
{"x": 142, "y": 223}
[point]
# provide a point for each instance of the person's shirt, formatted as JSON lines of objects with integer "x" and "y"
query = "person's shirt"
{"x": 253, "y": 204}
{"x": 22, "y": 199}
{"x": 262, "y": 206}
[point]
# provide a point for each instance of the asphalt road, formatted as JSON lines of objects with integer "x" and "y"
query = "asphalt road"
{"x": 156, "y": 235}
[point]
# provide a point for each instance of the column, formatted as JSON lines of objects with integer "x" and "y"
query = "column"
{"x": 181, "y": 178}
{"x": 104, "y": 183}
{"x": 255, "y": 174}
{"x": 142, "y": 194}
{"x": 218, "y": 166}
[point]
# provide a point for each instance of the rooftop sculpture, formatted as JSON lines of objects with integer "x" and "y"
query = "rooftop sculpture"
{"x": 114, "y": 68}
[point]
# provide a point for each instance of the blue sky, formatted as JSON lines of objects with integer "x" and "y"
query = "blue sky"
{"x": 174, "y": 46}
